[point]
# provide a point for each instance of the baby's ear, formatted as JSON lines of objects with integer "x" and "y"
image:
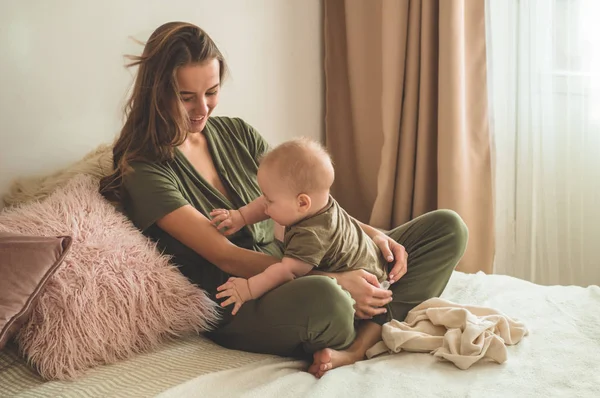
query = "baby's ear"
{"x": 304, "y": 202}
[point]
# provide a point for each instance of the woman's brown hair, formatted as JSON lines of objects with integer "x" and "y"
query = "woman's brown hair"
{"x": 156, "y": 121}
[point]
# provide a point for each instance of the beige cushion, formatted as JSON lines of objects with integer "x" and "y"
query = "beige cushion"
{"x": 26, "y": 265}
{"x": 97, "y": 164}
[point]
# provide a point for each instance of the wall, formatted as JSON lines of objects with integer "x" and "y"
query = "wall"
{"x": 63, "y": 81}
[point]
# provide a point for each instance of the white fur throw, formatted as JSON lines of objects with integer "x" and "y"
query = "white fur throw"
{"x": 113, "y": 296}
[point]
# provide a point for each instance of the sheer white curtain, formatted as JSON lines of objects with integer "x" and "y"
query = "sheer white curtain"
{"x": 544, "y": 71}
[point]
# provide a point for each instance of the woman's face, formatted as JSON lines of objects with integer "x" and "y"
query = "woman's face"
{"x": 199, "y": 87}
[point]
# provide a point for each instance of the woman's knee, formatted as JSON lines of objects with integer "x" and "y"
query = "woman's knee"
{"x": 330, "y": 313}
{"x": 327, "y": 299}
{"x": 454, "y": 229}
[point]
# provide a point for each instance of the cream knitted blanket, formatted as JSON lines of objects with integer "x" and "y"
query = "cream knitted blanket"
{"x": 461, "y": 334}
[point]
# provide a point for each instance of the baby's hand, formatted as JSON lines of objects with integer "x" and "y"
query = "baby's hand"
{"x": 238, "y": 291}
{"x": 228, "y": 222}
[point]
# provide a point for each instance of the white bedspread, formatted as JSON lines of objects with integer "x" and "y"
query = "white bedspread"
{"x": 559, "y": 358}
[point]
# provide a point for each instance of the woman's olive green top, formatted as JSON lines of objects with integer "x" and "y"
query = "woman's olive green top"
{"x": 153, "y": 190}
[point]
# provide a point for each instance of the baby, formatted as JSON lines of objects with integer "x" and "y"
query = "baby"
{"x": 295, "y": 179}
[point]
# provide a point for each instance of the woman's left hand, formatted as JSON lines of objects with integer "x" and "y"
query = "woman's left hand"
{"x": 393, "y": 251}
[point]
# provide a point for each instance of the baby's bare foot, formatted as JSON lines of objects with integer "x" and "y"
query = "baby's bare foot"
{"x": 327, "y": 359}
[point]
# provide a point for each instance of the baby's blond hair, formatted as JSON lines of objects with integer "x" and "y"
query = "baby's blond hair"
{"x": 303, "y": 164}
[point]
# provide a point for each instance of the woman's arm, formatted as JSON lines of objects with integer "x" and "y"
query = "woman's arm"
{"x": 391, "y": 250}
{"x": 369, "y": 230}
{"x": 191, "y": 228}
{"x": 364, "y": 289}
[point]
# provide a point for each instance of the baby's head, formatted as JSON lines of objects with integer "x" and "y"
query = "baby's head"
{"x": 295, "y": 179}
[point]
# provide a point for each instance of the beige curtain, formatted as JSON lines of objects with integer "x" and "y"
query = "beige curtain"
{"x": 407, "y": 113}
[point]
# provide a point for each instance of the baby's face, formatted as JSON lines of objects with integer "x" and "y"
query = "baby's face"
{"x": 281, "y": 205}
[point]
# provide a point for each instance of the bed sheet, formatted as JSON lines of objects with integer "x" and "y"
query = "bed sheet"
{"x": 559, "y": 358}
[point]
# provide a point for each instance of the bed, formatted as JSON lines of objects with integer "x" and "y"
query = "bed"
{"x": 559, "y": 357}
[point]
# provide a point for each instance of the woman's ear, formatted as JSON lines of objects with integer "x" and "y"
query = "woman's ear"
{"x": 304, "y": 203}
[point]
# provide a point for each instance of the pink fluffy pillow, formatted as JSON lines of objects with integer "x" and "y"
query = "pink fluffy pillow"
{"x": 113, "y": 296}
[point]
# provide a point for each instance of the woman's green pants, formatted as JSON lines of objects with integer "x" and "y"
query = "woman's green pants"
{"x": 314, "y": 312}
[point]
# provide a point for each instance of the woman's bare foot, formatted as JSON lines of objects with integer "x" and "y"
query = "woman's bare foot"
{"x": 327, "y": 359}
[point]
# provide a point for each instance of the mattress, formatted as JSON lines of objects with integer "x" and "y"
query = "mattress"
{"x": 560, "y": 357}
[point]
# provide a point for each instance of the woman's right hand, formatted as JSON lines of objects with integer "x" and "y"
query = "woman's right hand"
{"x": 364, "y": 288}
{"x": 228, "y": 222}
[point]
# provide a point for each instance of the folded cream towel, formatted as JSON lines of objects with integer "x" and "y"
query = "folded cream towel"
{"x": 461, "y": 334}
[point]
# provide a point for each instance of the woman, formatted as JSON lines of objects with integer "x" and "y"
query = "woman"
{"x": 174, "y": 163}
